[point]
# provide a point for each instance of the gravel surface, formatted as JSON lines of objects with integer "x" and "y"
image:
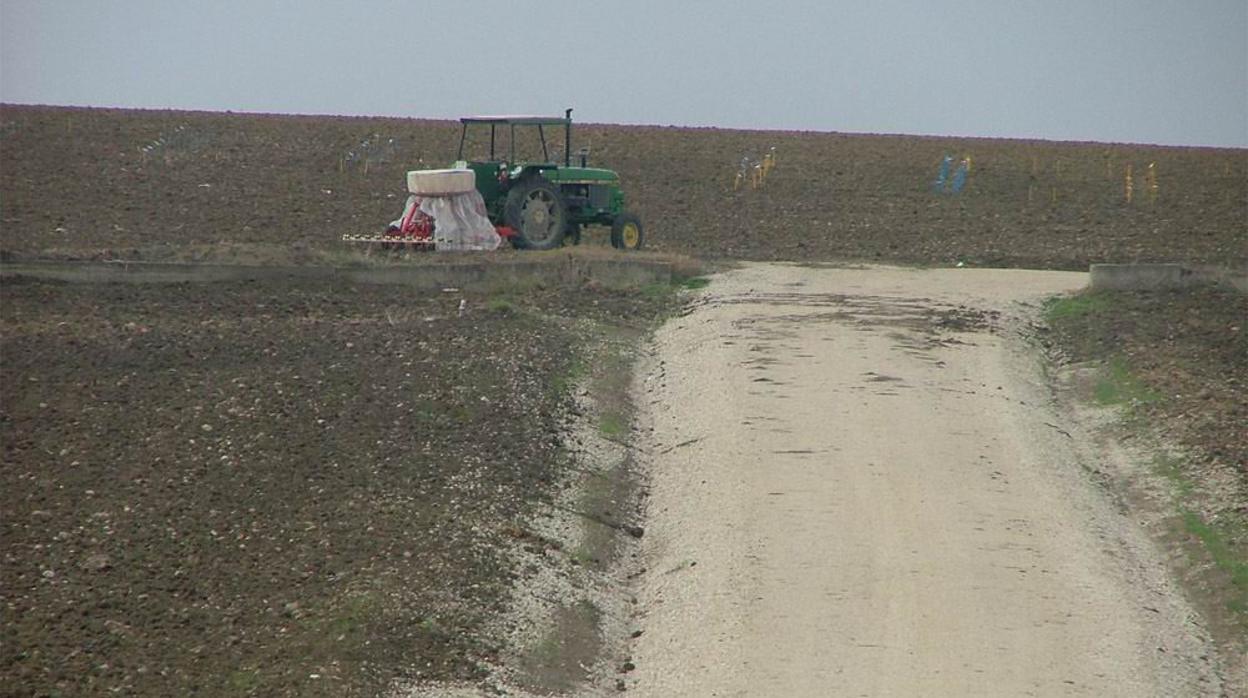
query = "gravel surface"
{"x": 862, "y": 487}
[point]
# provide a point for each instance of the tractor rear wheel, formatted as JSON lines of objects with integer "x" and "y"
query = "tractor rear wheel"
{"x": 536, "y": 211}
{"x": 626, "y": 232}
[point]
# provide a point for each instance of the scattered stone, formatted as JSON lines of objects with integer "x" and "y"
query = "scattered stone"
{"x": 99, "y": 562}
{"x": 116, "y": 627}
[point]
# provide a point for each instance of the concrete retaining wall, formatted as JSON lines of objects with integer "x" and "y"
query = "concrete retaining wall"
{"x": 610, "y": 273}
{"x": 1151, "y": 277}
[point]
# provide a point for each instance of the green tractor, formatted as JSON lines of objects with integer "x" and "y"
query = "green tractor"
{"x": 544, "y": 204}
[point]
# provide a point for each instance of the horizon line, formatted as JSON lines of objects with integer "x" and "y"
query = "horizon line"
{"x": 757, "y": 129}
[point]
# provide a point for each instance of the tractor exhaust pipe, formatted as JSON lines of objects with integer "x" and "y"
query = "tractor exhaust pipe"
{"x": 567, "y": 138}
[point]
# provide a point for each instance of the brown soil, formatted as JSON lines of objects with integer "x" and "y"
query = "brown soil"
{"x": 274, "y": 489}
{"x": 1190, "y": 347}
{"x": 1177, "y": 362}
{"x": 347, "y": 495}
{"x": 88, "y": 180}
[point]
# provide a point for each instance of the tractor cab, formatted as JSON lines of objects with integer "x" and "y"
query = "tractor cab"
{"x": 543, "y": 201}
{"x": 494, "y": 169}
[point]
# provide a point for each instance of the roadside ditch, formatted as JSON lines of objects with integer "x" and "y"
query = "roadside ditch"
{"x": 1160, "y": 379}
{"x": 570, "y": 617}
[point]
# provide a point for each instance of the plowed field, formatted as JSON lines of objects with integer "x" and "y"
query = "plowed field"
{"x": 308, "y": 489}
{"x": 270, "y": 488}
{"x": 94, "y": 180}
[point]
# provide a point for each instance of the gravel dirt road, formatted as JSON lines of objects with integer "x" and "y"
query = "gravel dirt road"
{"x": 862, "y": 487}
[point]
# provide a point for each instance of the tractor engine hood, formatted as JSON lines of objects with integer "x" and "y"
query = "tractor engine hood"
{"x": 581, "y": 175}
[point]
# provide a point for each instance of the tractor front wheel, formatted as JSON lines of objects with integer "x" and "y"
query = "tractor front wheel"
{"x": 626, "y": 232}
{"x": 536, "y": 211}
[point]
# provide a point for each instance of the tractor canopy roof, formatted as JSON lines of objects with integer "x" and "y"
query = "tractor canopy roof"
{"x": 518, "y": 120}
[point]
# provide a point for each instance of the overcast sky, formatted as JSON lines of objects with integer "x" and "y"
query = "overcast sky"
{"x": 1150, "y": 71}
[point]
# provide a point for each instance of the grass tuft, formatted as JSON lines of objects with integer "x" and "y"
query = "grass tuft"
{"x": 1215, "y": 543}
{"x": 611, "y": 424}
{"x": 1119, "y": 386}
{"x": 1071, "y": 307}
{"x": 655, "y": 292}
{"x": 500, "y": 306}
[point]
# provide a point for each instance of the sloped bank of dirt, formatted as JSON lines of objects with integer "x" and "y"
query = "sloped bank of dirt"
{"x": 570, "y": 619}
{"x": 1166, "y": 374}
{"x": 275, "y": 489}
{"x": 1188, "y": 347}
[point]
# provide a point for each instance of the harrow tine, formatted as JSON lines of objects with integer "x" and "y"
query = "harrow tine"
{"x": 391, "y": 239}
